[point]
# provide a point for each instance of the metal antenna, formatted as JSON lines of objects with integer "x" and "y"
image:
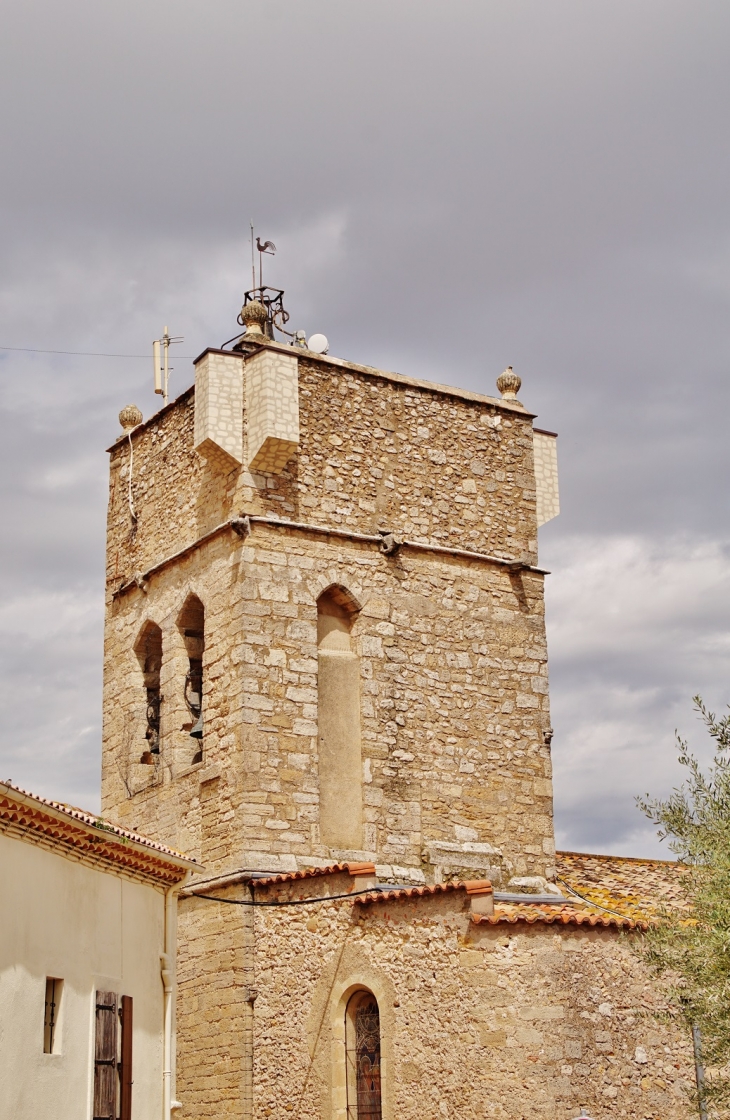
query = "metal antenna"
{"x": 253, "y": 262}
{"x": 162, "y": 374}
{"x": 166, "y": 348}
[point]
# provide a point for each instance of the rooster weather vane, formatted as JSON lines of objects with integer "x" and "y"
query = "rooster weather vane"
{"x": 267, "y": 247}
{"x": 272, "y": 299}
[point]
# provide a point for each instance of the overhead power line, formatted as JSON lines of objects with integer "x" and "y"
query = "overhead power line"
{"x": 82, "y": 353}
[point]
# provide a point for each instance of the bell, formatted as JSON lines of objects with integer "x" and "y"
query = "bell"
{"x": 197, "y": 732}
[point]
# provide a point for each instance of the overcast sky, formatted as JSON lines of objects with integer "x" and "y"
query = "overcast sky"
{"x": 452, "y": 189}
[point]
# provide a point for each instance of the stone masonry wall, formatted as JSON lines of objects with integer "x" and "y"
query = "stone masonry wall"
{"x": 454, "y": 707}
{"x": 508, "y": 1021}
{"x": 272, "y": 410}
{"x": 218, "y": 434}
{"x": 454, "y": 666}
{"x": 448, "y": 467}
{"x": 545, "y": 450}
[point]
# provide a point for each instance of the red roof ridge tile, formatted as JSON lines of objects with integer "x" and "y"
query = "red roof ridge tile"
{"x": 37, "y": 813}
{"x": 551, "y": 915}
{"x": 398, "y": 894}
{"x": 354, "y": 869}
{"x": 619, "y": 859}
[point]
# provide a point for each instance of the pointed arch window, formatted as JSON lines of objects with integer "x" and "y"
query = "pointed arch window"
{"x": 362, "y": 1051}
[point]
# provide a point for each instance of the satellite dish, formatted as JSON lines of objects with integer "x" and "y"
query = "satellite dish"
{"x": 318, "y": 344}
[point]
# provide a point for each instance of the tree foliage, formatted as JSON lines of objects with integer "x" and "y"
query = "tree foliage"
{"x": 693, "y": 949}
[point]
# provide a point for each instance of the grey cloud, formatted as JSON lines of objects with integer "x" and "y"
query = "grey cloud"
{"x": 637, "y": 627}
{"x": 451, "y": 190}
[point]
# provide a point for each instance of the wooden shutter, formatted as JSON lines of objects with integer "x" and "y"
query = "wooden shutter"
{"x": 105, "y": 1057}
{"x": 125, "y": 1083}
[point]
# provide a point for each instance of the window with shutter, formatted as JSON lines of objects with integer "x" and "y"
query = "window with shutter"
{"x": 105, "y": 1057}
{"x": 125, "y": 1070}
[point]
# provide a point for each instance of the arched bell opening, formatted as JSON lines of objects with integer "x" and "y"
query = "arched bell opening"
{"x": 148, "y": 649}
{"x": 191, "y": 624}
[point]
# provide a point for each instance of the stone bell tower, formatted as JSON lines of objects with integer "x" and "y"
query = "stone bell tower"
{"x": 325, "y": 633}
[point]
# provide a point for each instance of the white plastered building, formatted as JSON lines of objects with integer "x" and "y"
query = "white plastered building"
{"x": 87, "y": 974}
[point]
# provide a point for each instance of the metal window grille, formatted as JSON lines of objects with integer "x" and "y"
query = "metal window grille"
{"x": 50, "y": 1017}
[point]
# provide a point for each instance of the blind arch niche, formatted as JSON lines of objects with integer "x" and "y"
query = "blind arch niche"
{"x": 338, "y": 710}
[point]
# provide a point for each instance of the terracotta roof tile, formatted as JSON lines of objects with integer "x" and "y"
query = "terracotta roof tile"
{"x": 354, "y": 869}
{"x": 88, "y": 835}
{"x": 399, "y": 894}
{"x": 636, "y": 888}
{"x": 549, "y": 914}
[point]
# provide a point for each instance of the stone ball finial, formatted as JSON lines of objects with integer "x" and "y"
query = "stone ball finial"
{"x": 253, "y": 317}
{"x": 509, "y": 384}
{"x": 130, "y": 417}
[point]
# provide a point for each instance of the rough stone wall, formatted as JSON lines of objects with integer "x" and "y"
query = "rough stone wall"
{"x": 218, "y": 409}
{"x": 454, "y": 707}
{"x": 545, "y": 448}
{"x": 272, "y": 410}
{"x": 213, "y": 953}
{"x": 507, "y": 1021}
{"x": 456, "y": 771}
{"x": 448, "y": 467}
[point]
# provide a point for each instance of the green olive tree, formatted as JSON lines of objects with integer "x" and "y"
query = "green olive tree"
{"x": 692, "y": 947}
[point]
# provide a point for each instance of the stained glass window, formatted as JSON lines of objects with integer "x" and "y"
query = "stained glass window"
{"x": 363, "y": 1058}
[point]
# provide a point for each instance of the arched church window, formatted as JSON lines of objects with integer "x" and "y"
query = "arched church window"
{"x": 338, "y": 712}
{"x": 362, "y": 1049}
{"x": 191, "y": 623}
{"x": 149, "y": 654}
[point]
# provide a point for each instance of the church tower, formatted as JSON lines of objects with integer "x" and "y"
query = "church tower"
{"x": 325, "y": 635}
{"x": 326, "y": 679}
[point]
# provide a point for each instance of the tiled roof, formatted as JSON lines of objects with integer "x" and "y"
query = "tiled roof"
{"x": 636, "y": 888}
{"x": 87, "y": 836}
{"x": 532, "y": 912}
{"x": 359, "y": 869}
{"x": 526, "y": 911}
{"x": 398, "y": 894}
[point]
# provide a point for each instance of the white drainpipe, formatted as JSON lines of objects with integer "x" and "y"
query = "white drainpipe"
{"x": 168, "y": 970}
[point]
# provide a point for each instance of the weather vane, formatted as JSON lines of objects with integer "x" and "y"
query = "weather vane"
{"x": 269, "y": 248}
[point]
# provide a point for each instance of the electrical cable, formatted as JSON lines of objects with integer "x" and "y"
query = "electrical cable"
{"x": 228, "y": 340}
{"x": 294, "y": 902}
{"x": 83, "y": 353}
{"x": 592, "y": 903}
{"x": 130, "y": 495}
